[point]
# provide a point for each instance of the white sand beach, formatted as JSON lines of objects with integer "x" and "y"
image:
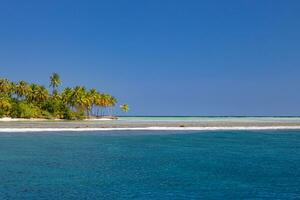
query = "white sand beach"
{"x": 162, "y": 123}
{"x": 9, "y": 119}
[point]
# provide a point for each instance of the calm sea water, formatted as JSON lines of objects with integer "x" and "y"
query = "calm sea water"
{"x": 150, "y": 165}
{"x": 214, "y": 119}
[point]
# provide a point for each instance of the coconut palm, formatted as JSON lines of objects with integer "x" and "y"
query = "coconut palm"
{"x": 6, "y": 87}
{"x": 112, "y": 101}
{"x": 42, "y": 94}
{"x": 55, "y": 82}
{"x": 80, "y": 99}
{"x": 5, "y": 105}
{"x": 99, "y": 103}
{"x": 93, "y": 95}
{"x": 103, "y": 102}
{"x": 31, "y": 97}
{"x": 38, "y": 94}
{"x": 22, "y": 89}
{"x": 124, "y": 107}
{"x": 66, "y": 96}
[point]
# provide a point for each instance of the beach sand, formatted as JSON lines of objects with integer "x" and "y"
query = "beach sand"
{"x": 11, "y": 125}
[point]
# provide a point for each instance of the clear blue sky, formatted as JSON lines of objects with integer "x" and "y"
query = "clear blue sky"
{"x": 162, "y": 57}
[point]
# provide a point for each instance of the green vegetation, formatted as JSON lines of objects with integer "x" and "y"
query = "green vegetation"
{"x": 124, "y": 107}
{"x": 24, "y": 100}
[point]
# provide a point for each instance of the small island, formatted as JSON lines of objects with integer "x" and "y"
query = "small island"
{"x": 33, "y": 101}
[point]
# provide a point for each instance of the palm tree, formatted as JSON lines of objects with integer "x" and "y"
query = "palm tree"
{"x": 32, "y": 94}
{"x": 80, "y": 98}
{"x": 112, "y": 101}
{"x": 6, "y": 87}
{"x": 92, "y": 95}
{"x": 66, "y": 96}
{"x": 99, "y": 102}
{"x": 38, "y": 94}
{"x": 5, "y": 105}
{"x": 55, "y": 82}
{"x": 42, "y": 94}
{"x": 124, "y": 107}
{"x": 103, "y": 102}
{"x": 22, "y": 89}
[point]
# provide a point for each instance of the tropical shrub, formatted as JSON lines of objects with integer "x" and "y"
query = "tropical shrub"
{"x": 25, "y": 110}
{"x": 5, "y": 106}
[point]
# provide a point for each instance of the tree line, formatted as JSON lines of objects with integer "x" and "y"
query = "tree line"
{"x": 29, "y": 100}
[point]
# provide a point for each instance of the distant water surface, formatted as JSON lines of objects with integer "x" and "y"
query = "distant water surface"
{"x": 150, "y": 165}
{"x": 201, "y": 119}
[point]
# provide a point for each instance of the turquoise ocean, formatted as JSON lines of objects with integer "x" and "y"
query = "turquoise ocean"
{"x": 150, "y": 165}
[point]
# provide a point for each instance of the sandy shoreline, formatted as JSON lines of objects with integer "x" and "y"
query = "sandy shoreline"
{"x": 126, "y": 124}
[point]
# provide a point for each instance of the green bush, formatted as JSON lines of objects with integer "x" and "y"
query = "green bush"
{"x": 5, "y": 106}
{"x": 68, "y": 114}
{"x": 24, "y": 110}
{"x": 45, "y": 114}
{"x": 53, "y": 106}
{"x": 2, "y": 113}
{"x": 80, "y": 115}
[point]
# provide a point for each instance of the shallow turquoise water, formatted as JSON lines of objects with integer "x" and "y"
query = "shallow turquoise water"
{"x": 150, "y": 165}
{"x": 210, "y": 119}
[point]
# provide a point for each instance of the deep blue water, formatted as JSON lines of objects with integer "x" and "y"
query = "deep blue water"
{"x": 139, "y": 165}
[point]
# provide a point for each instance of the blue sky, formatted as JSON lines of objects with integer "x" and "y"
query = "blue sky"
{"x": 162, "y": 57}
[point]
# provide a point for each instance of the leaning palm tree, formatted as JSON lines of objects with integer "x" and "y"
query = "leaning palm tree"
{"x": 55, "y": 82}
{"x": 124, "y": 107}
